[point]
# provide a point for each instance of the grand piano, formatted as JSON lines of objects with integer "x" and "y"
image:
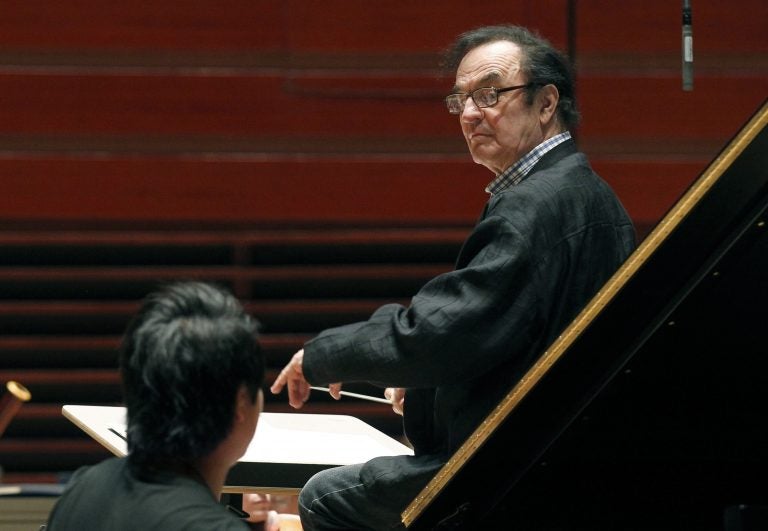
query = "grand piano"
{"x": 650, "y": 412}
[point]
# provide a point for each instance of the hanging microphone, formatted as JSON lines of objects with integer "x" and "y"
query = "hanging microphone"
{"x": 687, "y": 46}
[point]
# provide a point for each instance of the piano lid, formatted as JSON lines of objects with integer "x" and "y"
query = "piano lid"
{"x": 651, "y": 409}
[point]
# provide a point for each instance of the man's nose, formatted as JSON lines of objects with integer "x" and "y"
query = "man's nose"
{"x": 471, "y": 112}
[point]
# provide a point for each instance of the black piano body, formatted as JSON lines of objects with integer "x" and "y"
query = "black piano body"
{"x": 650, "y": 412}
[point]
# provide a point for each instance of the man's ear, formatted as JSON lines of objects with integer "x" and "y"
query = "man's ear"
{"x": 547, "y": 99}
{"x": 242, "y": 399}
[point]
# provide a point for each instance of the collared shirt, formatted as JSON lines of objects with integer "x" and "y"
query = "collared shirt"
{"x": 517, "y": 172}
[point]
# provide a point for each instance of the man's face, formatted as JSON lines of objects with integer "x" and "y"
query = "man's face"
{"x": 497, "y": 136}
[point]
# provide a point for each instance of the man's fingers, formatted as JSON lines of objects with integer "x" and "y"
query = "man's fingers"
{"x": 298, "y": 393}
{"x": 279, "y": 382}
{"x": 396, "y": 395}
{"x": 335, "y": 390}
{"x": 292, "y": 376}
{"x": 289, "y": 373}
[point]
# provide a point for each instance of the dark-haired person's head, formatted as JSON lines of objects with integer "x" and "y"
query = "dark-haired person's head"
{"x": 542, "y": 63}
{"x": 513, "y": 91}
{"x": 191, "y": 368}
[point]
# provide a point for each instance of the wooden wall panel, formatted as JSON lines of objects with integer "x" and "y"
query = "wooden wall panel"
{"x": 296, "y": 26}
{"x": 140, "y": 25}
{"x": 645, "y": 107}
{"x": 301, "y": 191}
{"x": 93, "y": 84}
{"x": 231, "y": 105}
{"x": 636, "y": 117}
{"x": 654, "y": 27}
{"x": 393, "y": 25}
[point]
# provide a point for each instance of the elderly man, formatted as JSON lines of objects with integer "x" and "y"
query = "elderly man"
{"x": 552, "y": 232}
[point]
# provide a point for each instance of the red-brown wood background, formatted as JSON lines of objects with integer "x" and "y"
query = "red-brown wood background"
{"x": 295, "y": 111}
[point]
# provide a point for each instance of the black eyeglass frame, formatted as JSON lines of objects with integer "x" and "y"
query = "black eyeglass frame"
{"x": 496, "y": 92}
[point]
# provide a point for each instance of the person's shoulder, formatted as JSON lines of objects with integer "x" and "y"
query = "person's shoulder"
{"x": 108, "y": 467}
{"x": 201, "y": 517}
{"x": 87, "y": 496}
{"x": 181, "y": 502}
{"x": 560, "y": 176}
{"x": 568, "y": 165}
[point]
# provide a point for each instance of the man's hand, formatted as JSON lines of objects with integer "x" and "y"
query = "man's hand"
{"x": 257, "y": 506}
{"x": 292, "y": 375}
{"x": 397, "y": 396}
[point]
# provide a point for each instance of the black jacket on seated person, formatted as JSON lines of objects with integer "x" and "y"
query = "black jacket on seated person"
{"x": 541, "y": 249}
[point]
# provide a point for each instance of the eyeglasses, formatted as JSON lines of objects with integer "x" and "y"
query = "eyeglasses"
{"x": 483, "y": 97}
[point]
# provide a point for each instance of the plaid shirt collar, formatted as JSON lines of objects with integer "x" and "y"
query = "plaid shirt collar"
{"x": 517, "y": 172}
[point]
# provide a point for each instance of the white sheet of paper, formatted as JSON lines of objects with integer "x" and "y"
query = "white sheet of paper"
{"x": 279, "y": 438}
{"x": 337, "y": 439}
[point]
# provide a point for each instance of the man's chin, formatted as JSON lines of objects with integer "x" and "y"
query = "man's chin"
{"x": 480, "y": 157}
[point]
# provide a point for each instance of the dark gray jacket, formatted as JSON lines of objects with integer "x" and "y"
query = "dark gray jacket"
{"x": 539, "y": 252}
{"x": 116, "y": 496}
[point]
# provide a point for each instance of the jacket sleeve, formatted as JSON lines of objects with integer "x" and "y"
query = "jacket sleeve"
{"x": 486, "y": 307}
